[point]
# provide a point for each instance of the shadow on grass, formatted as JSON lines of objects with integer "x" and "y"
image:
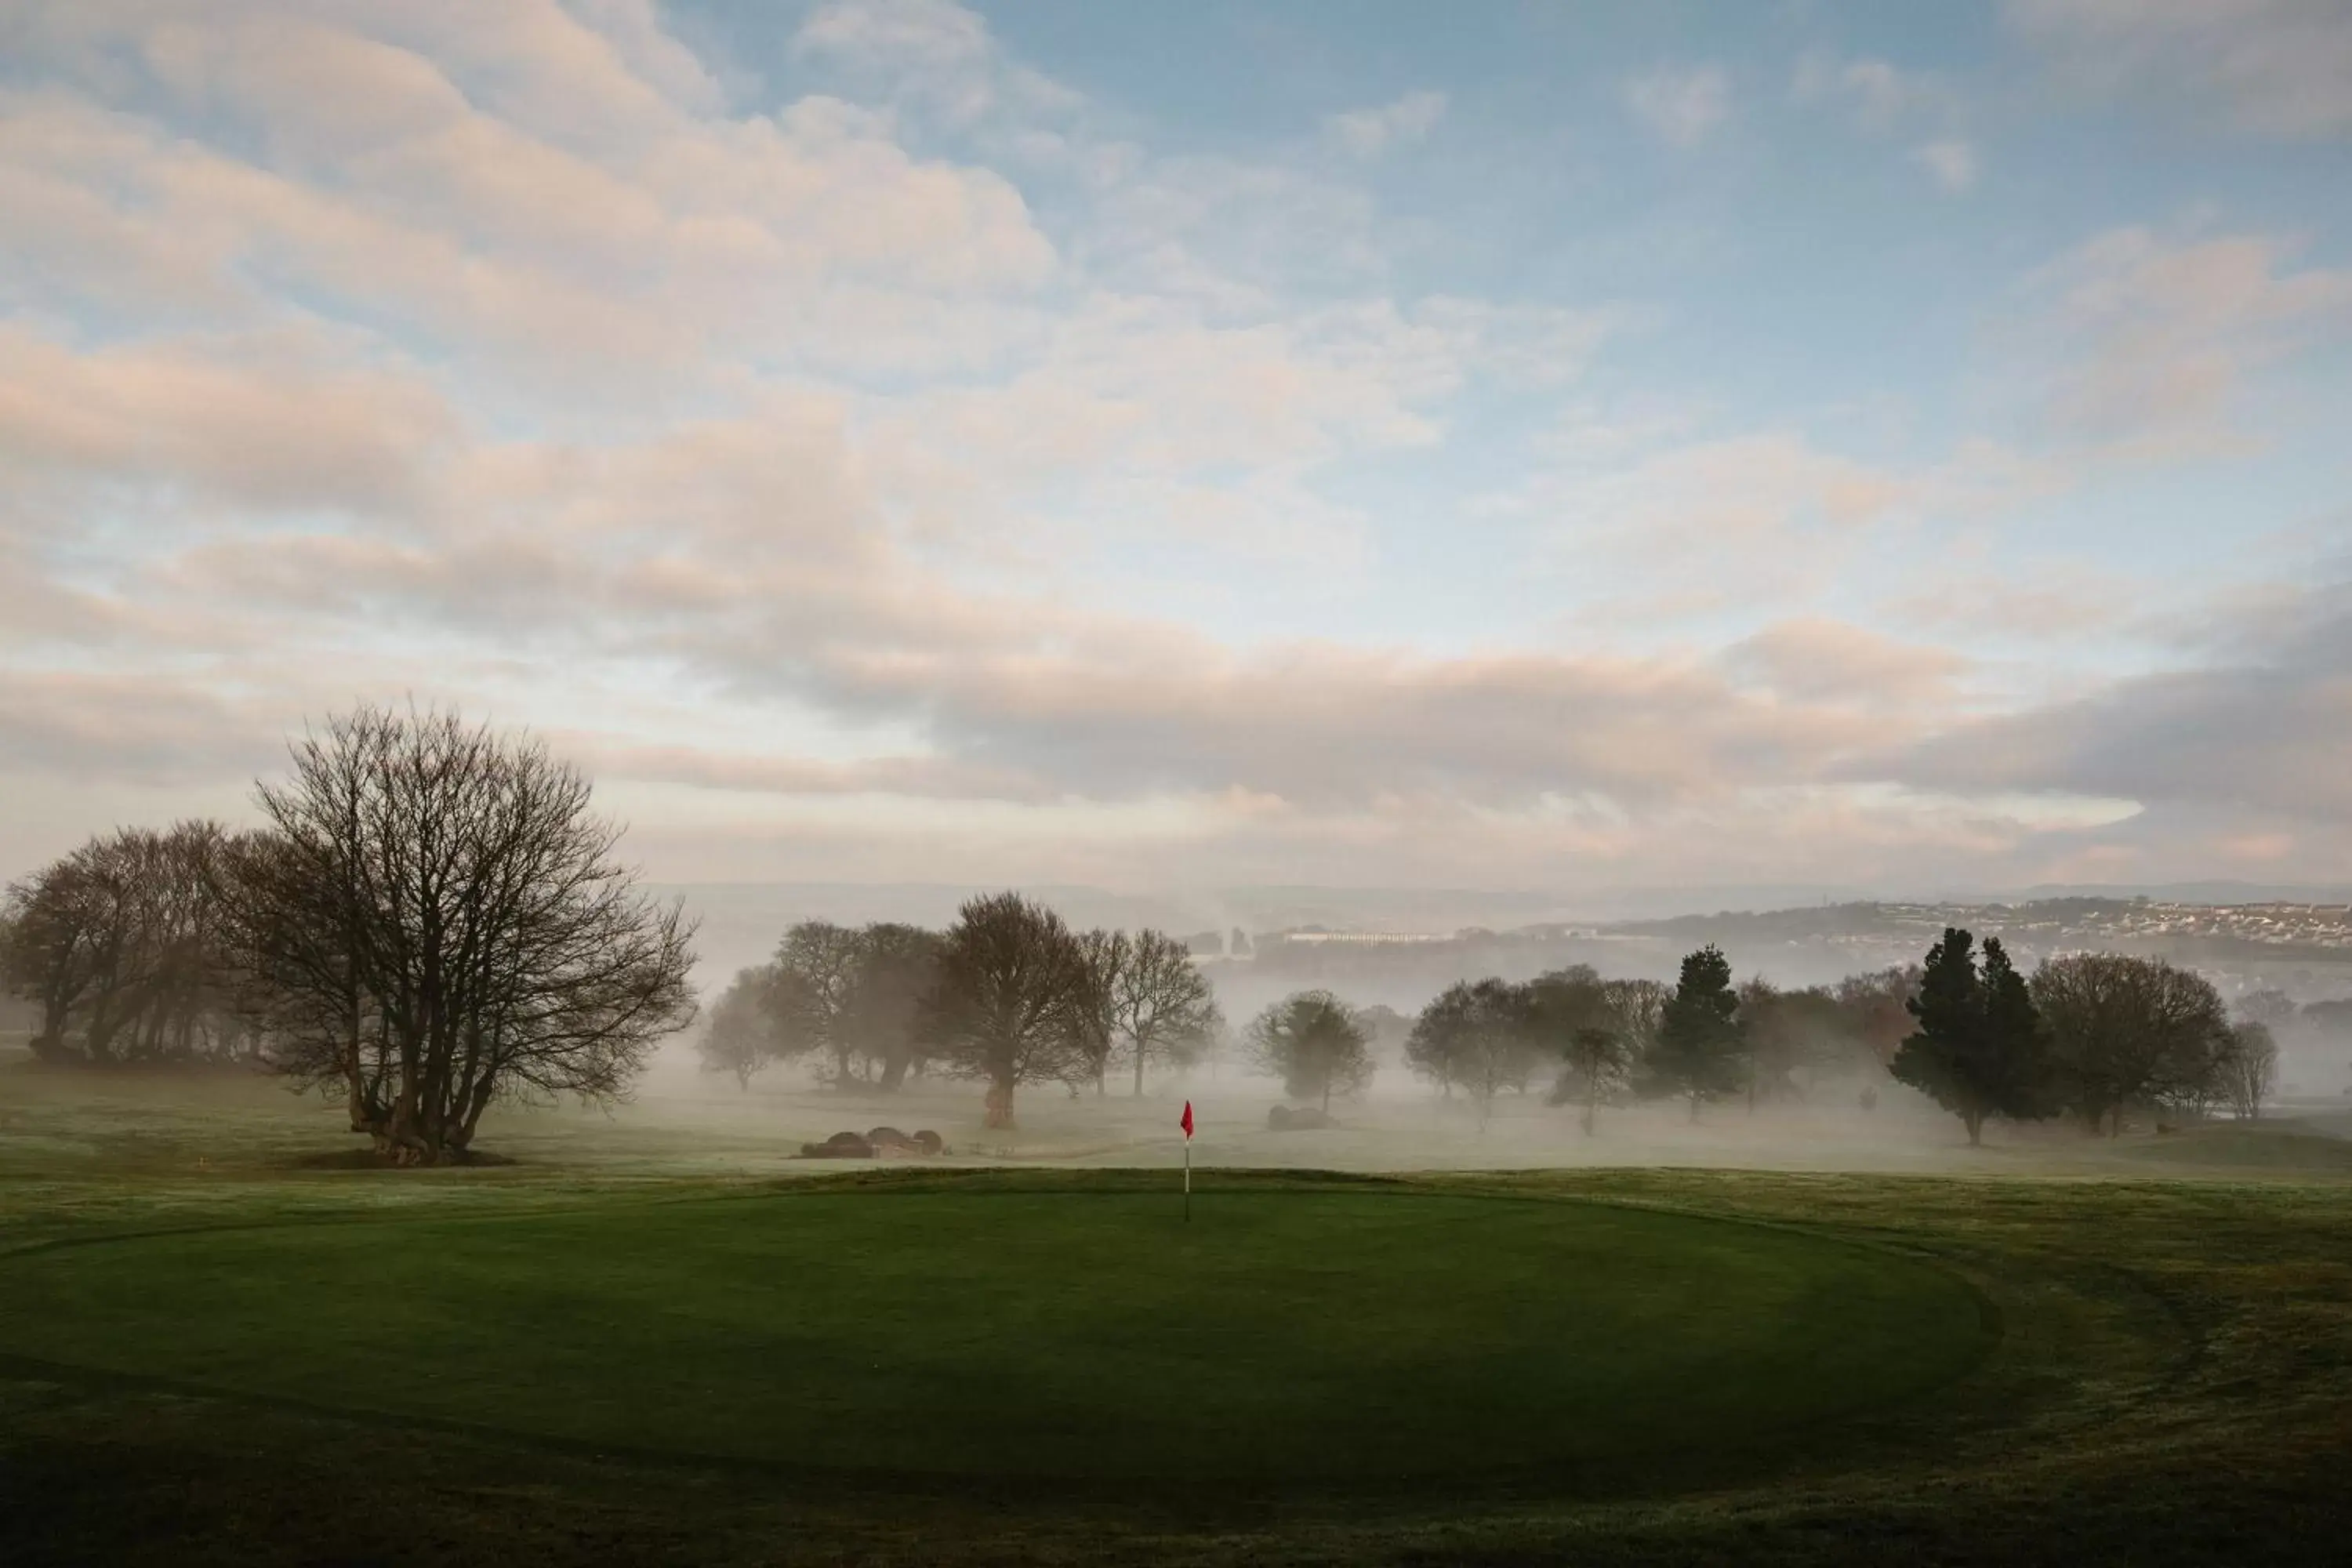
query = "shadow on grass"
{"x": 369, "y": 1160}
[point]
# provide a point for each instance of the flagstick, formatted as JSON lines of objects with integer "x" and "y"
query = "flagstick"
{"x": 1188, "y": 1178}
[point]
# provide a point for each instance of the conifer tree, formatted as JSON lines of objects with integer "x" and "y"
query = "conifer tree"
{"x": 1697, "y": 1052}
{"x": 1978, "y": 1048}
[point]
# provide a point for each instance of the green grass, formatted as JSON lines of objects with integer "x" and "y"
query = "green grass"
{"x": 2262, "y": 1146}
{"x": 1291, "y": 1332}
{"x": 629, "y": 1348}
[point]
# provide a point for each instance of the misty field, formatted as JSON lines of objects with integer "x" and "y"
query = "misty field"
{"x": 657, "y": 1340}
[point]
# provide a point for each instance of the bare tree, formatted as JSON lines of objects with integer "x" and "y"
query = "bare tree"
{"x": 1479, "y": 1034}
{"x": 2126, "y": 1030}
{"x": 817, "y": 966}
{"x": 443, "y": 923}
{"x": 1011, "y": 1003}
{"x": 739, "y": 1038}
{"x": 852, "y": 998}
{"x": 881, "y": 1021}
{"x": 1313, "y": 1042}
{"x": 119, "y": 947}
{"x": 1109, "y": 955}
{"x": 1793, "y": 1038}
{"x": 1596, "y": 1058}
{"x": 1877, "y": 1011}
{"x": 2251, "y": 1068}
{"x": 1568, "y": 1016}
{"x": 2271, "y": 1008}
{"x": 52, "y": 956}
{"x": 1163, "y": 1009}
{"x": 1636, "y": 1012}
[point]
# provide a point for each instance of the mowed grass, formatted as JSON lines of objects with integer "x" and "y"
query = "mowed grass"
{"x": 215, "y": 1351}
{"x": 2288, "y": 1146}
{"x": 1290, "y": 1334}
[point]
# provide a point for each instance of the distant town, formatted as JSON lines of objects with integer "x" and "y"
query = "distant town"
{"x": 2302, "y": 949}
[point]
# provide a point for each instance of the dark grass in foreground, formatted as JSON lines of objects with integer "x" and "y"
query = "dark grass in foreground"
{"x": 1292, "y": 1336}
{"x": 2172, "y": 1383}
{"x": 2171, "y": 1380}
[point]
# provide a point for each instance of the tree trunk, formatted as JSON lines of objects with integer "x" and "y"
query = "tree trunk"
{"x": 1974, "y": 1120}
{"x": 1138, "y": 1069}
{"x": 362, "y": 1113}
{"x": 1694, "y": 1109}
{"x": 998, "y": 1105}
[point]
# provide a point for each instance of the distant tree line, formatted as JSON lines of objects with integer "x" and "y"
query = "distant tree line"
{"x": 2089, "y": 1036}
{"x": 430, "y": 921}
{"x": 1008, "y": 995}
{"x": 121, "y": 953}
{"x": 1592, "y": 1041}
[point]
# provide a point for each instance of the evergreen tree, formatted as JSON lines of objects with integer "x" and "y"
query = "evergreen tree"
{"x": 1978, "y": 1048}
{"x": 1698, "y": 1047}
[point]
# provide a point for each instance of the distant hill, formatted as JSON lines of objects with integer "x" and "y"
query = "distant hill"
{"x": 1519, "y": 933}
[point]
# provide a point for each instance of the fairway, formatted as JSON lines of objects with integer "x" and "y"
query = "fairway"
{"x": 1340, "y": 1336}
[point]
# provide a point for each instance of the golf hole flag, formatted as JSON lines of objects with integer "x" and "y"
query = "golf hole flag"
{"x": 1185, "y": 1121}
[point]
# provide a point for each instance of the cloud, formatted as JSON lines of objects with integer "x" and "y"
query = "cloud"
{"x": 105, "y": 728}
{"x": 2273, "y": 68}
{"x": 1879, "y": 95}
{"x": 1689, "y": 529}
{"x": 2148, "y": 341}
{"x": 915, "y": 474}
{"x": 385, "y": 191}
{"x": 1884, "y": 98}
{"x": 271, "y": 421}
{"x": 2042, "y": 601}
{"x": 1952, "y": 160}
{"x": 1814, "y": 659}
{"x": 1680, "y": 106}
{"x": 2269, "y": 736}
{"x": 933, "y": 56}
{"x": 745, "y": 556}
{"x": 929, "y": 778}
{"x": 1368, "y": 133}
{"x": 896, "y": 33}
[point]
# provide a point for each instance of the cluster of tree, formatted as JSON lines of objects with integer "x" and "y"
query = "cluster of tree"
{"x": 845, "y": 997}
{"x": 121, "y": 952}
{"x": 1315, "y": 1044}
{"x": 1597, "y": 1039}
{"x": 2091, "y": 1035}
{"x": 430, "y": 921}
{"x": 1699, "y": 1039}
{"x": 1009, "y": 994}
{"x": 2312, "y": 1029}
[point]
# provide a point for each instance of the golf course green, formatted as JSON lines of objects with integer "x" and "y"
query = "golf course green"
{"x": 1339, "y": 1338}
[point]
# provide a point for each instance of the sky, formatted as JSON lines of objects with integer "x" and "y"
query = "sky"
{"x": 1499, "y": 445}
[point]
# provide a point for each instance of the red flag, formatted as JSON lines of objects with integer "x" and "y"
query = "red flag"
{"x": 1187, "y": 1122}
